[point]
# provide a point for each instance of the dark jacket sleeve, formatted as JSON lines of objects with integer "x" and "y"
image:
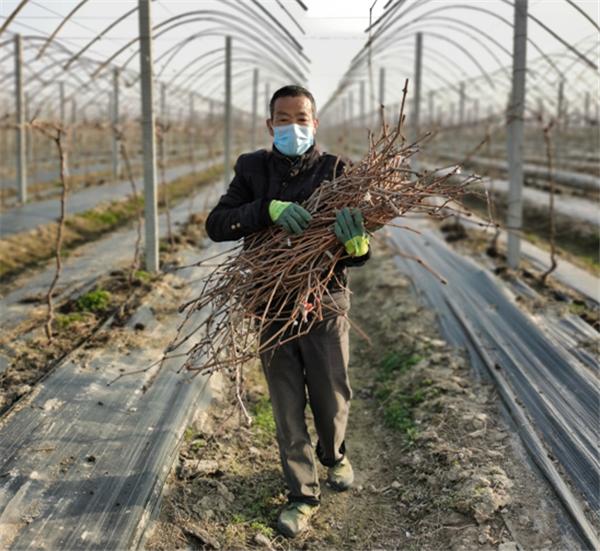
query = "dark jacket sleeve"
{"x": 237, "y": 213}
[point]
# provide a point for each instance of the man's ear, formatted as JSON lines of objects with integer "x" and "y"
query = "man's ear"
{"x": 316, "y": 124}
{"x": 270, "y": 126}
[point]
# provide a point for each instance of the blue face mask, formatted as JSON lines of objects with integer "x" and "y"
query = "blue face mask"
{"x": 293, "y": 139}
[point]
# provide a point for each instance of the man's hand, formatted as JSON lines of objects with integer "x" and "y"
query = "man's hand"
{"x": 290, "y": 216}
{"x": 350, "y": 230}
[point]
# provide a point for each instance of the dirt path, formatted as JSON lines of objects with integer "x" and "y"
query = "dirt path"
{"x": 436, "y": 466}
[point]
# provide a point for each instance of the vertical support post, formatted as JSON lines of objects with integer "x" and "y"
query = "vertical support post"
{"x": 476, "y": 110}
{"x": 73, "y": 122}
{"x": 254, "y": 108}
{"x": 115, "y": 124}
{"x": 192, "y": 134}
{"x": 362, "y": 100}
{"x": 561, "y": 100}
{"x": 28, "y": 132}
{"x": 163, "y": 121}
{"x": 228, "y": 121}
{"x": 63, "y": 117}
{"x": 515, "y": 133}
{"x": 148, "y": 136}
{"x": 351, "y": 107}
{"x": 418, "y": 70}
{"x": 20, "y": 122}
{"x": 461, "y": 104}
{"x": 586, "y": 109}
{"x": 431, "y": 106}
{"x": 381, "y": 94}
{"x": 211, "y": 111}
{"x": 416, "y": 114}
{"x": 267, "y": 100}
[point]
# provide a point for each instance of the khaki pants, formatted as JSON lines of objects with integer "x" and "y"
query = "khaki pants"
{"x": 314, "y": 366}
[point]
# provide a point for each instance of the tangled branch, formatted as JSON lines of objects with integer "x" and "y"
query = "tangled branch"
{"x": 278, "y": 284}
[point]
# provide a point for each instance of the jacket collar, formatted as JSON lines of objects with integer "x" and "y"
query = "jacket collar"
{"x": 295, "y": 164}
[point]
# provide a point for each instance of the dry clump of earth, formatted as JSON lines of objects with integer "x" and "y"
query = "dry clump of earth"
{"x": 436, "y": 466}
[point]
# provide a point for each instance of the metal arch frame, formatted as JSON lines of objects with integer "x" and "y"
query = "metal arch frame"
{"x": 504, "y": 69}
{"x": 265, "y": 63}
{"x": 277, "y": 23}
{"x": 60, "y": 26}
{"x": 500, "y": 64}
{"x": 228, "y": 26}
{"x": 243, "y": 40}
{"x": 193, "y": 62}
{"x": 29, "y": 46}
{"x": 99, "y": 36}
{"x": 464, "y": 77}
{"x": 240, "y": 7}
{"x": 213, "y": 18}
{"x": 390, "y": 40}
{"x": 469, "y": 35}
{"x": 430, "y": 73}
{"x": 46, "y": 83}
{"x": 243, "y": 83}
{"x": 450, "y": 7}
{"x": 557, "y": 37}
{"x": 362, "y": 53}
{"x": 508, "y": 2}
{"x": 234, "y": 74}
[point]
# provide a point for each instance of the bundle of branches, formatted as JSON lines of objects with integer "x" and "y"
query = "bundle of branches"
{"x": 277, "y": 278}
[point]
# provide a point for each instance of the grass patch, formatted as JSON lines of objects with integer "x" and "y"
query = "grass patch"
{"x": 396, "y": 362}
{"x": 264, "y": 421}
{"x": 143, "y": 276}
{"x": 261, "y": 528}
{"x": 97, "y": 300}
{"x": 398, "y": 410}
{"x": 64, "y": 321}
{"x": 398, "y": 401}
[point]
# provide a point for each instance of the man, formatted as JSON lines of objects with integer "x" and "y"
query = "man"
{"x": 267, "y": 189}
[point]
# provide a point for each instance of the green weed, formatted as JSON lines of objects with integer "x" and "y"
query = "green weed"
{"x": 65, "y": 320}
{"x": 262, "y": 528}
{"x": 97, "y": 300}
{"x": 397, "y": 362}
{"x": 263, "y": 416}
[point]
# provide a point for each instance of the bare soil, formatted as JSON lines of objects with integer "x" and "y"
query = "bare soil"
{"x": 436, "y": 465}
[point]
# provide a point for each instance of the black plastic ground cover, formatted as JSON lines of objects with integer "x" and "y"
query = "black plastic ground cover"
{"x": 82, "y": 464}
{"x": 553, "y": 378}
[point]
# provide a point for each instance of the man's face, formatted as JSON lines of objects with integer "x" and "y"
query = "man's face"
{"x": 292, "y": 110}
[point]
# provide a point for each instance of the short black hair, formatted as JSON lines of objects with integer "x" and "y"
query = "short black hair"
{"x": 293, "y": 91}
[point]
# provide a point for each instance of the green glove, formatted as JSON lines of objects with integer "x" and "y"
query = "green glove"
{"x": 290, "y": 216}
{"x": 350, "y": 230}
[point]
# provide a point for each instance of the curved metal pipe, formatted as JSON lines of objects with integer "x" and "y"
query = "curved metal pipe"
{"x": 450, "y": 7}
{"x": 243, "y": 31}
{"x": 99, "y": 36}
{"x": 60, "y": 26}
